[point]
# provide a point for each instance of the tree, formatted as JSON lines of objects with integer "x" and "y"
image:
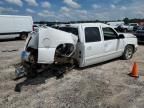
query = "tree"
{"x": 126, "y": 20}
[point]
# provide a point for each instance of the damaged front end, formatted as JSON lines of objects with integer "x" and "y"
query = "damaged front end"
{"x": 48, "y": 46}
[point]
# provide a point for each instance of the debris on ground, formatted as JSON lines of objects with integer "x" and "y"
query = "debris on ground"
{"x": 13, "y": 50}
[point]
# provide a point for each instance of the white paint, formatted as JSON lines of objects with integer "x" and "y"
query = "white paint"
{"x": 49, "y": 40}
{"x": 14, "y": 24}
{"x": 86, "y": 53}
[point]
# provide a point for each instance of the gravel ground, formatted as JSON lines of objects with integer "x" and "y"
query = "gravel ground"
{"x": 105, "y": 85}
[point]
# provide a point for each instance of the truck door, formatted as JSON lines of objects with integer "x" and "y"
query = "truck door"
{"x": 93, "y": 46}
{"x": 112, "y": 45}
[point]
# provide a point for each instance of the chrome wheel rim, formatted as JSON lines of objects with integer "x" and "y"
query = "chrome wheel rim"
{"x": 129, "y": 53}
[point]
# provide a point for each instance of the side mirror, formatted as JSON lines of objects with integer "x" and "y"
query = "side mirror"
{"x": 121, "y": 36}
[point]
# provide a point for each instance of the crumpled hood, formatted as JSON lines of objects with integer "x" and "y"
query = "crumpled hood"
{"x": 128, "y": 35}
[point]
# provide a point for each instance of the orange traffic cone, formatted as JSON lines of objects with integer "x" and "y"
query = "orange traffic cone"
{"x": 134, "y": 72}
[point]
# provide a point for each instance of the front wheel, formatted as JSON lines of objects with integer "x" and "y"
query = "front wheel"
{"x": 128, "y": 52}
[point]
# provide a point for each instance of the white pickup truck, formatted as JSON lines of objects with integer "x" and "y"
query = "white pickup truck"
{"x": 84, "y": 44}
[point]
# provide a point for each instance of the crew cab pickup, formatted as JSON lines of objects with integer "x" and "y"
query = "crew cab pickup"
{"x": 84, "y": 44}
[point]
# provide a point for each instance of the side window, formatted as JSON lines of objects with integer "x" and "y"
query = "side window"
{"x": 109, "y": 34}
{"x": 92, "y": 34}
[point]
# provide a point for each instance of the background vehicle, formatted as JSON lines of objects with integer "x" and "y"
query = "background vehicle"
{"x": 140, "y": 34}
{"x": 132, "y": 26}
{"x": 140, "y": 28}
{"x": 121, "y": 27}
{"x": 115, "y": 25}
{"x": 15, "y": 26}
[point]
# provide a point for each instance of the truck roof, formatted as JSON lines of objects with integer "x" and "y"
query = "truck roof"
{"x": 87, "y": 24}
{"x": 13, "y": 16}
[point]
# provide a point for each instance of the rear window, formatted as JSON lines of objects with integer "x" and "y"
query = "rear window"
{"x": 69, "y": 30}
{"x": 92, "y": 34}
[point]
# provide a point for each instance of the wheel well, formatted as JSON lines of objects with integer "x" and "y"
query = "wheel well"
{"x": 63, "y": 53}
{"x": 65, "y": 49}
{"x": 132, "y": 46}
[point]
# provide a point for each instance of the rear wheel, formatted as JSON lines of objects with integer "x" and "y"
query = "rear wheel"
{"x": 23, "y": 36}
{"x": 128, "y": 52}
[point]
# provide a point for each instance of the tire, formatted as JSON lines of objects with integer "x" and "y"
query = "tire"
{"x": 23, "y": 36}
{"x": 125, "y": 30}
{"x": 128, "y": 52}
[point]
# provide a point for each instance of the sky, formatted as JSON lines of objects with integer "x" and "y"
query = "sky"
{"x": 74, "y": 10}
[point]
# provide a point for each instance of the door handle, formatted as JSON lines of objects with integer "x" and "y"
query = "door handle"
{"x": 106, "y": 44}
{"x": 89, "y": 48}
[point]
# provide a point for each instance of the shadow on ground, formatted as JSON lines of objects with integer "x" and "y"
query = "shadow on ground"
{"x": 41, "y": 77}
{"x": 140, "y": 43}
{"x": 7, "y": 40}
{"x": 57, "y": 72}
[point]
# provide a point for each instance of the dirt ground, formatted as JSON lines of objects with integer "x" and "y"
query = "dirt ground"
{"x": 105, "y": 85}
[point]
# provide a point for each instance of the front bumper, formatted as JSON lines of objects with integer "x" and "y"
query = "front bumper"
{"x": 135, "y": 49}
